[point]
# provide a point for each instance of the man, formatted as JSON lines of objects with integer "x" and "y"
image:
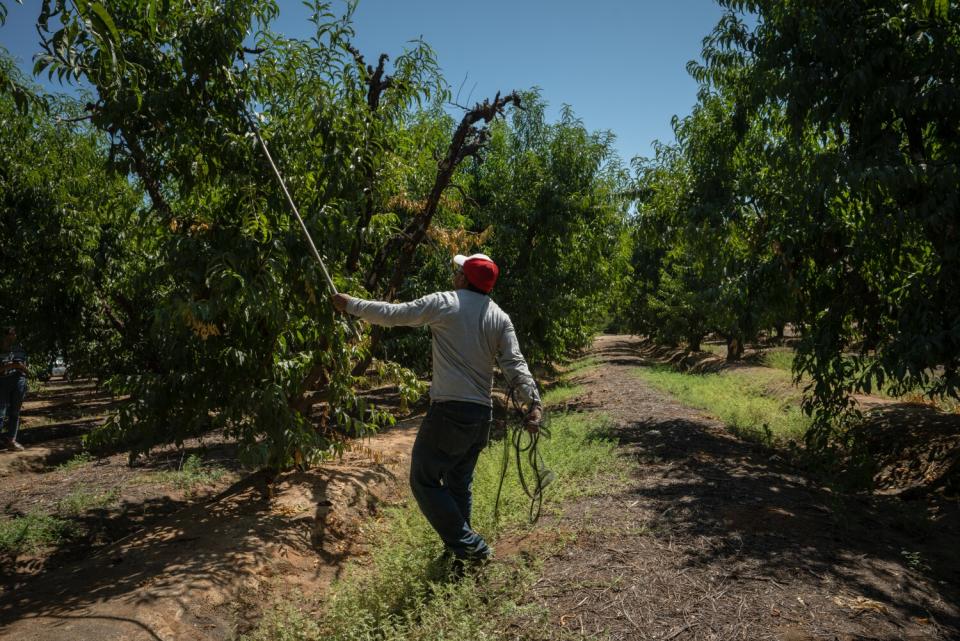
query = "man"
{"x": 469, "y": 332}
{"x": 13, "y": 387}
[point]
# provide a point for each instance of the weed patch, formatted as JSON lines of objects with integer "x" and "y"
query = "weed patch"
{"x": 580, "y": 366}
{"x": 780, "y": 358}
{"x": 32, "y": 532}
{"x": 80, "y": 500}
{"x": 79, "y": 460}
{"x": 717, "y": 349}
{"x": 192, "y": 475}
{"x": 561, "y": 393}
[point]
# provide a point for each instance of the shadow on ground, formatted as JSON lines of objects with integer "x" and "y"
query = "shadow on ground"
{"x": 718, "y": 536}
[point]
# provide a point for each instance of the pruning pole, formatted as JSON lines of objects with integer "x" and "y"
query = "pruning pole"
{"x": 286, "y": 192}
{"x": 293, "y": 205}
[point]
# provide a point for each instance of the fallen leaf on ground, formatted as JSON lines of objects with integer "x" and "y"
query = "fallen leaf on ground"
{"x": 860, "y": 604}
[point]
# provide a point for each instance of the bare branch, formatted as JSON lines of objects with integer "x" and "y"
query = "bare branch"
{"x": 468, "y": 139}
{"x": 77, "y": 119}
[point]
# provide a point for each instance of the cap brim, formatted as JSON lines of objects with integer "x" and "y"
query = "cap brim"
{"x": 460, "y": 259}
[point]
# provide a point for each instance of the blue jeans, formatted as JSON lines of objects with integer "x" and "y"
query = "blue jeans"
{"x": 445, "y": 454}
{"x": 12, "y": 390}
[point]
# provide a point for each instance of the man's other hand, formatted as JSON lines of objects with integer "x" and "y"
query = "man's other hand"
{"x": 532, "y": 420}
{"x": 340, "y": 301}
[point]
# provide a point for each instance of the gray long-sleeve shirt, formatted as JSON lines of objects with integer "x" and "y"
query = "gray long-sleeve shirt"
{"x": 470, "y": 332}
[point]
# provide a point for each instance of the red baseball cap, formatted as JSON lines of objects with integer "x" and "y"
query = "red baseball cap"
{"x": 481, "y": 272}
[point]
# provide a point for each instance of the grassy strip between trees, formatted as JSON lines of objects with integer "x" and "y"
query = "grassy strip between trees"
{"x": 403, "y": 591}
{"x": 779, "y": 358}
{"x": 191, "y": 475}
{"x": 757, "y": 405}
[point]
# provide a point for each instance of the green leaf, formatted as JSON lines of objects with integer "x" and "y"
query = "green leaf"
{"x": 105, "y": 23}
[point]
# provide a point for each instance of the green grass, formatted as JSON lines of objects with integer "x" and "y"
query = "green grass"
{"x": 560, "y": 393}
{"x": 579, "y": 366}
{"x": 404, "y": 592}
{"x": 714, "y": 348}
{"x": 79, "y": 501}
{"x": 193, "y": 474}
{"x": 36, "y": 531}
{"x": 79, "y": 460}
{"x": 755, "y": 405}
{"x": 33, "y": 532}
{"x": 564, "y": 389}
{"x": 780, "y": 358}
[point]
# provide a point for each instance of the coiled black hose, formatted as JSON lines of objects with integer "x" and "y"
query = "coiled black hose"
{"x": 525, "y": 445}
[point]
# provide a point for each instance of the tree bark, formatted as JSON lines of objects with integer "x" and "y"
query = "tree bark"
{"x": 377, "y": 84}
{"x": 734, "y": 348}
{"x": 142, "y": 168}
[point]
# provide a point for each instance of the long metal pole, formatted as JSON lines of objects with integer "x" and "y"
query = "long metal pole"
{"x": 293, "y": 205}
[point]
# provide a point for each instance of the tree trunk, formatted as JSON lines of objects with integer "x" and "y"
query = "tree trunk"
{"x": 734, "y": 349}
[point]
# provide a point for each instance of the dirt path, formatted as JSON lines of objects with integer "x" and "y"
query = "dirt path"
{"x": 716, "y": 539}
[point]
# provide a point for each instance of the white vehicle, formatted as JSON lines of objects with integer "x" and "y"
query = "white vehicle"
{"x": 59, "y": 368}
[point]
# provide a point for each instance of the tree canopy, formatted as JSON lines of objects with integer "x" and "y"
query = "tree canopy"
{"x": 816, "y": 181}
{"x": 156, "y": 251}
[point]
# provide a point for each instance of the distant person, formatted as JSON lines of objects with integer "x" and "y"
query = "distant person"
{"x": 13, "y": 387}
{"x": 470, "y": 332}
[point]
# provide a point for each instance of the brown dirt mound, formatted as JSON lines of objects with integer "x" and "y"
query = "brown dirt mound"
{"x": 207, "y": 571}
{"x": 698, "y": 362}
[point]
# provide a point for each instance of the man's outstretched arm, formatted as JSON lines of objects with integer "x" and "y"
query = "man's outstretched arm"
{"x": 412, "y": 314}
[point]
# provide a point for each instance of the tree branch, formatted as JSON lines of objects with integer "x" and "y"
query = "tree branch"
{"x": 377, "y": 84}
{"x": 467, "y": 141}
{"x": 142, "y": 168}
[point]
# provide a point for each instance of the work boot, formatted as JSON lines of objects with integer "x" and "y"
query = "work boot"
{"x": 461, "y": 565}
{"x": 12, "y": 445}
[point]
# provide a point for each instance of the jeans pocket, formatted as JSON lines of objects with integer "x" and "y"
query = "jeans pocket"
{"x": 455, "y": 437}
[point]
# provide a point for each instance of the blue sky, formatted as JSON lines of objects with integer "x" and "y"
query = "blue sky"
{"x": 619, "y": 63}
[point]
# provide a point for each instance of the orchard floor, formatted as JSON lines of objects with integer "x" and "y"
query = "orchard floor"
{"x": 716, "y": 538}
{"x": 165, "y": 560}
{"x": 711, "y": 538}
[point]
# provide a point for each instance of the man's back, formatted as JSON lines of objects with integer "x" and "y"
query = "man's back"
{"x": 470, "y": 333}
